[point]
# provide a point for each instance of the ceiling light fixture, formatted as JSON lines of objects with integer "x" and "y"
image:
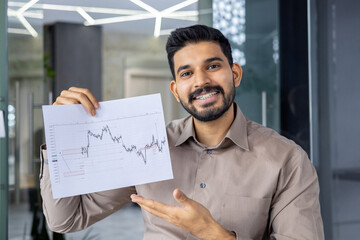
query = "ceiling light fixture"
{"x": 18, "y": 31}
{"x": 159, "y": 15}
{"x": 189, "y": 18}
{"x": 69, "y": 8}
{"x": 155, "y": 12}
{"x": 145, "y": 6}
{"x": 33, "y": 14}
{"x": 20, "y": 15}
{"x": 11, "y": 12}
{"x": 130, "y": 15}
{"x": 120, "y": 19}
{"x": 85, "y": 15}
{"x": 171, "y": 10}
{"x": 88, "y": 9}
{"x": 27, "y": 25}
{"x": 157, "y": 26}
{"x": 27, "y": 6}
{"x": 178, "y": 6}
{"x": 183, "y": 13}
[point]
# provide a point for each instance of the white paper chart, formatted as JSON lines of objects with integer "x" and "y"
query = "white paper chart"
{"x": 125, "y": 144}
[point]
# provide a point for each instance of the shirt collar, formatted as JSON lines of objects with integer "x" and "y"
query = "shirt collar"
{"x": 187, "y": 132}
{"x": 237, "y": 132}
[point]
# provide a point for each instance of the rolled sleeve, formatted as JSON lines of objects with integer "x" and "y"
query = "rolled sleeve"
{"x": 239, "y": 237}
{"x": 43, "y": 159}
{"x": 295, "y": 210}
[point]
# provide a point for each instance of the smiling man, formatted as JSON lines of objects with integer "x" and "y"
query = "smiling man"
{"x": 233, "y": 178}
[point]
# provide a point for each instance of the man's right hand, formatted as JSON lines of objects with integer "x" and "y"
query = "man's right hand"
{"x": 76, "y": 95}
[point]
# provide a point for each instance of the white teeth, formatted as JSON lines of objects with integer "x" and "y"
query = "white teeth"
{"x": 206, "y": 95}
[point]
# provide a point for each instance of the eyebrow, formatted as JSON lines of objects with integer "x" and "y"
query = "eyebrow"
{"x": 182, "y": 67}
{"x": 206, "y": 61}
{"x": 213, "y": 59}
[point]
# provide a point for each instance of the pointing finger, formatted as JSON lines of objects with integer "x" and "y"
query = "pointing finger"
{"x": 167, "y": 217}
{"x": 153, "y": 205}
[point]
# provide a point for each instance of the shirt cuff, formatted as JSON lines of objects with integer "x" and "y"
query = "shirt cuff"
{"x": 238, "y": 237}
{"x": 43, "y": 159}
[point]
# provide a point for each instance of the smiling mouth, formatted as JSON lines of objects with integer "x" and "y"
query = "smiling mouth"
{"x": 205, "y": 96}
{"x": 205, "y": 93}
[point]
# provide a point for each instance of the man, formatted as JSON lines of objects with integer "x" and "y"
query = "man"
{"x": 233, "y": 178}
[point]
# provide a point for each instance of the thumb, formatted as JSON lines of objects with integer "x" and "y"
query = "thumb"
{"x": 180, "y": 197}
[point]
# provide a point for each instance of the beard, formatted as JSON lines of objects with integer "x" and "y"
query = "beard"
{"x": 210, "y": 113}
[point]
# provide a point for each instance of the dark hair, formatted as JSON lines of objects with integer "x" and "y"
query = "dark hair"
{"x": 180, "y": 37}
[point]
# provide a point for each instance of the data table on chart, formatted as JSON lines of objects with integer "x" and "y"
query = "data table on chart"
{"x": 124, "y": 144}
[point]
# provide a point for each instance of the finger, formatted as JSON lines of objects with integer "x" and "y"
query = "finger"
{"x": 88, "y": 93}
{"x": 155, "y": 212}
{"x": 64, "y": 101}
{"x": 80, "y": 98}
{"x": 180, "y": 197}
{"x": 151, "y": 204}
{"x": 136, "y": 198}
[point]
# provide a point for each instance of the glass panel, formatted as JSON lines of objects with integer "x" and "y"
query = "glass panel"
{"x": 255, "y": 47}
{"x": 3, "y": 121}
{"x": 335, "y": 113}
{"x": 26, "y": 83}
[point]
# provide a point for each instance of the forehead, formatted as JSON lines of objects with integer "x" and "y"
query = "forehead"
{"x": 197, "y": 52}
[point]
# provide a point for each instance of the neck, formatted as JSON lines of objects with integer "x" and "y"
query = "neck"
{"x": 211, "y": 133}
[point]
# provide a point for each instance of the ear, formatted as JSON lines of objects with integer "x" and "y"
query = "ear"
{"x": 174, "y": 90}
{"x": 237, "y": 72}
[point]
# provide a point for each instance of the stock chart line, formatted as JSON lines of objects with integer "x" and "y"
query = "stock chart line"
{"x": 140, "y": 152}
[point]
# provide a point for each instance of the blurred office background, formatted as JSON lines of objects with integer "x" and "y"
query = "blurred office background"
{"x": 301, "y": 78}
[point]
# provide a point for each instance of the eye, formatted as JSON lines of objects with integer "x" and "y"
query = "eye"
{"x": 213, "y": 66}
{"x": 185, "y": 74}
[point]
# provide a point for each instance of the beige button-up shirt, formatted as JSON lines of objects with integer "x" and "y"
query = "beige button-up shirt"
{"x": 255, "y": 182}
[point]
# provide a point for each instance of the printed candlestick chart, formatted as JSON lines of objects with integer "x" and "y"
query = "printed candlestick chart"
{"x": 112, "y": 150}
{"x": 141, "y": 152}
{"x": 100, "y": 149}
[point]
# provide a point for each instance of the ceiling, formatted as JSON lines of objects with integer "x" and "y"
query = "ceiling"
{"x": 149, "y": 17}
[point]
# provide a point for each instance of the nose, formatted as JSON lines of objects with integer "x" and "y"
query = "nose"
{"x": 201, "y": 79}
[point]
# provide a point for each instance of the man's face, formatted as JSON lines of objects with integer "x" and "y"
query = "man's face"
{"x": 205, "y": 82}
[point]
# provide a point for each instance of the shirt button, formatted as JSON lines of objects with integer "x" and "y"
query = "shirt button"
{"x": 209, "y": 151}
{"x": 202, "y": 185}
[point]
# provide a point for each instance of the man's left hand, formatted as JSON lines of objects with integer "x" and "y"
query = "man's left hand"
{"x": 191, "y": 216}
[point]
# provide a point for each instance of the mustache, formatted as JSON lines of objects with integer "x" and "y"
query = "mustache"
{"x": 205, "y": 89}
